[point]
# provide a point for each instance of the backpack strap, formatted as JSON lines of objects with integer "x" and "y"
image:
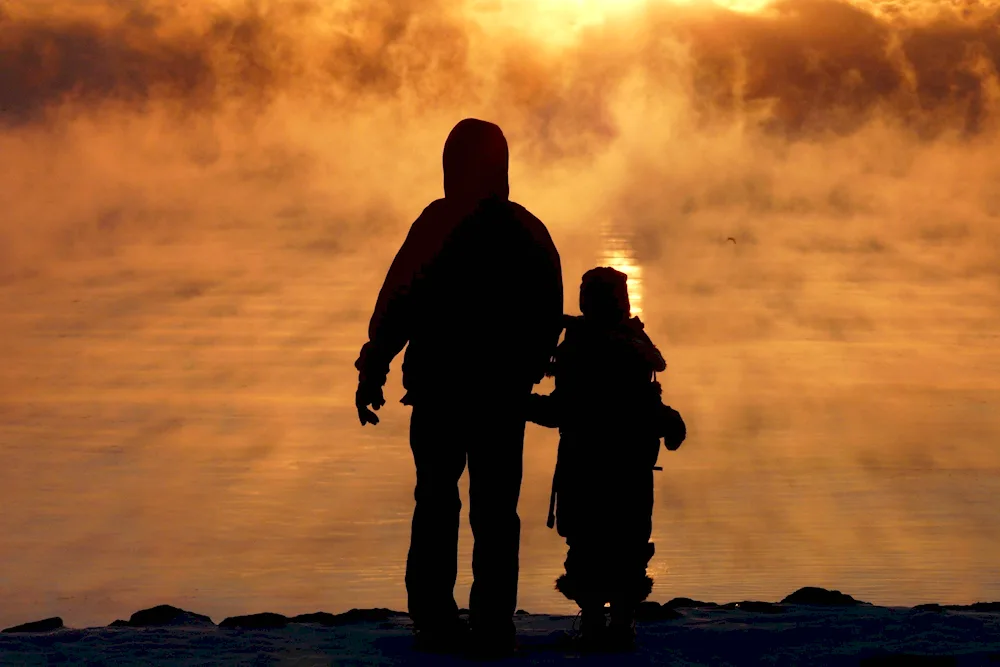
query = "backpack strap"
{"x": 551, "y": 522}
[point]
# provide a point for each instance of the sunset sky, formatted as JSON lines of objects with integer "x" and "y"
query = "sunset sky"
{"x": 199, "y": 202}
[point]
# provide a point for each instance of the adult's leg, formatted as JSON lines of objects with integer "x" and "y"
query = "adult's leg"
{"x": 495, "y": 467}
{"x": 432, "y": 563}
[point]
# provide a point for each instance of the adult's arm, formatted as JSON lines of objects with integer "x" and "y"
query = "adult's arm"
{"x": 390, "y": 325}
{"x": 550, "y": 291}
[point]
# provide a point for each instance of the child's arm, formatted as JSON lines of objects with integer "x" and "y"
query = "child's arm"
{"x": 542, "y": 410}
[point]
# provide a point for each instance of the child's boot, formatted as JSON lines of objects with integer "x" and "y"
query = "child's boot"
{"x": 593, "y": 628}
{"x": 621, "y": 631}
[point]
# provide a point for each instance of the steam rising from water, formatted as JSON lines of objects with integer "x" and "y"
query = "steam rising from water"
{"x": 200, "y": 201}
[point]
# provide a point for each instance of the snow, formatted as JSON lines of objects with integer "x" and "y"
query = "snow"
{"x": 716, "y": 636}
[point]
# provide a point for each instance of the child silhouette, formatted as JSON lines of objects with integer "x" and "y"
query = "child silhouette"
{"x": 607, "y": 407}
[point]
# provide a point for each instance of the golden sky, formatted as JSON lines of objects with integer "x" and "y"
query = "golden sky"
{"x": 201, "y": 199}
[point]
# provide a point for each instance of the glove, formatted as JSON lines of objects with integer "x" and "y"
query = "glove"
{"x": 368, "y": 395}
{"x": 542, "y": 410}
{"x": 674, "y": 432}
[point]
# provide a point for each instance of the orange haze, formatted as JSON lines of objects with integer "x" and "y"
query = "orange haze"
{"x": 199, "y": 201}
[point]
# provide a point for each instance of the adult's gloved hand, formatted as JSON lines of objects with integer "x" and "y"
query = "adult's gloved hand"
{"x": 368, "y": 395}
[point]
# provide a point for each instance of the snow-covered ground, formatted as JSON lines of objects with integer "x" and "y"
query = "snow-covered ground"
{"x": 758, "y": 633}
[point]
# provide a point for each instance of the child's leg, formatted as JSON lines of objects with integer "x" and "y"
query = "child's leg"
{"x": 632, "y": 585}
{"x": 623, "y": 617}
{"x": 584, "y": 583}
{"x": 631, "y": 588}
{"x": 593, "y": 620}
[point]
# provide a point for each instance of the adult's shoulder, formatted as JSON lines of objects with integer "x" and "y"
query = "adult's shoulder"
{"x": 436, "y": 210}
{"x": 526, "y": 216}
{"x": 532, "y": 223}
{"x": 435, "y": 221}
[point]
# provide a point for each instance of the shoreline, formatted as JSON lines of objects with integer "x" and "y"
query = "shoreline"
{"x": 679, "y": 632}
{"x": 809, "y": 597}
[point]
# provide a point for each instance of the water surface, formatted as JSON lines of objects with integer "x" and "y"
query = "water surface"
{"x": 177, "y": 428}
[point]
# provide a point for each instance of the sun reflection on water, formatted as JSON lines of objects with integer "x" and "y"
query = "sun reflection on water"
{"x": 618, "y": 253}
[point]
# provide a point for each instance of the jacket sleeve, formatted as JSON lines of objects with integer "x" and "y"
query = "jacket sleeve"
{"x": 653, "y": 355}
{"x": 644, "y": 346}
{"x": 390, "y": 325}
{"x": 551, "y": 294}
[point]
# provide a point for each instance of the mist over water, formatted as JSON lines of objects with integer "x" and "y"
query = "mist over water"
{"x": 199, "y": 204}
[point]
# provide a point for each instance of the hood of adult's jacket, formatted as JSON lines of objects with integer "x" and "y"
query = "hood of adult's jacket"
{"x": 475, "y": 160}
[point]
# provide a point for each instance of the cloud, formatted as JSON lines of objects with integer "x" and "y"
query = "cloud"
{"x": 802, "y": 66}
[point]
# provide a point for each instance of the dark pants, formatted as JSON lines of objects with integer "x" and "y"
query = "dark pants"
{"x": 606, "y": 519}
{"x": 598, "y": 573}
{"x": 443, "y": 439}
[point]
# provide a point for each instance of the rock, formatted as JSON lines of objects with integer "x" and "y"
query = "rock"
{"x": 755, "y": 607}
{"x": 688, "y": 603}
{"x": 119, "y": 623}
{"x": 654, "y": 611}
{"x": 47, "y": 625}
{"x": 319, "y": 618}
{"x": 979, "y": 607}
{"x": 905, "y": 660}
{"x": 378, "y": 615}
{"x": 521, "y": 612}
{"x": 821, "y": 597}
{"x": 265, "y": 621}
{"x": 348, "y": 617}
{"x": 164, "y": 614}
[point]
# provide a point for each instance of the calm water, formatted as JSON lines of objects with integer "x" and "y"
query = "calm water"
{"x": 176, "y": 427}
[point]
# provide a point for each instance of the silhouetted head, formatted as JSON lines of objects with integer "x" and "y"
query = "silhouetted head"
{"x": 475, "y": 162}
{"x": 604, "y": 296}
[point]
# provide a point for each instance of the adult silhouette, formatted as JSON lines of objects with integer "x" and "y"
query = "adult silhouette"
{"x": 475, "y": 294}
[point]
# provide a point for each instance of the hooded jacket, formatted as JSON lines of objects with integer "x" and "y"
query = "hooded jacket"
{"x": 606, "y": 405}
{"x": 604, "y": 373}
{"x": 475, "y": 291}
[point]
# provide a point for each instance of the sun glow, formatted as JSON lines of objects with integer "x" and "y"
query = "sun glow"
{"x": 596, "y": 11}
{"x": 617, "y": 253}
{"x": 551, "y": 22}
{"x": 745, "y": 6}
{"x": 561, "y": 22}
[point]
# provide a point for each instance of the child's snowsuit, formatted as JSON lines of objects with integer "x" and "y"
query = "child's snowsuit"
{"x": 607, "y": 407}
